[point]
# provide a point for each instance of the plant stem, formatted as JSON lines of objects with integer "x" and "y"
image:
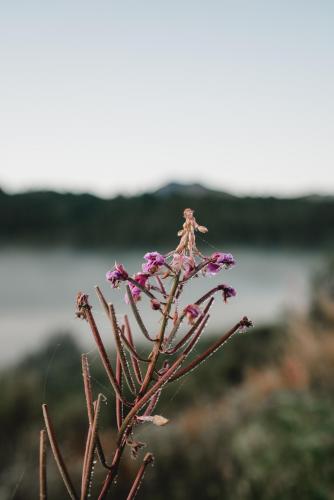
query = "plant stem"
{"x": 148, "y": 459}
{"x": 209, "y": 293}
{"x": 87, "y": 387}
{"x": 141, "y": 287}
{"x": 57, "y": 454}
{"x": 134, "y": 357}
{"x": 130, "y": 348}
{"x": 102, "y": 299}
{"x": 113, "y": 471}
{"x": 191, "y": 331}
{"x": 89, "y": 404}
{"x": 144, "y": 399}
{"x": 87, "y": 468}
{"x": 207, "y": 353}
{"x": 103, "y": 353}
{"x": 42, "y": 466}
{"x": 196, "y": 270}
{"x": 137, "y": 315}
{"x": 120, "y": 350}
{"x": 119, "y": 404}
{"x": 158, "y": 341}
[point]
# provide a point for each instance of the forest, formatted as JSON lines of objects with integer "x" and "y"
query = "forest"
{"x": 85, "y": 220}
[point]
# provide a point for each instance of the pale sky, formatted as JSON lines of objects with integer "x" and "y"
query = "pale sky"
{"x": 123, "y": 96}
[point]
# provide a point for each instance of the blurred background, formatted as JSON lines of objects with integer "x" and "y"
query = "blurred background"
{"x": 115, "y": 117}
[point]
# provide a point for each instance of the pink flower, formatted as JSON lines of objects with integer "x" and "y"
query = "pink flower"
{"x": 116, "y": 275}
{"x": 154, "y": 261}
{"x": 192, "y": 312}
{"x": 140, "y": 278}
{"x": 155, "y": 304}
{"x": 183, "y": 262}
{"x": 219, "y": 260}
{"x": 228, "y": 292}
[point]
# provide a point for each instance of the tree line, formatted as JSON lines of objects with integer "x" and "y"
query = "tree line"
{"x": 47, "y": 217}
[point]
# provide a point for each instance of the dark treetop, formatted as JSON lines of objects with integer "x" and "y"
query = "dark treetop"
{"x": 87, "y": 220}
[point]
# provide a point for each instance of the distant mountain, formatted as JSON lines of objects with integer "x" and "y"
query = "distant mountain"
{"x": 195, "y": 190}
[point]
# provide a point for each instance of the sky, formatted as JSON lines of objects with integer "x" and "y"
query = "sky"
{"x": 123, "y": 96}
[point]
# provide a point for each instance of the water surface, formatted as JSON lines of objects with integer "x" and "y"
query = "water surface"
{"x": 38, "y": 290}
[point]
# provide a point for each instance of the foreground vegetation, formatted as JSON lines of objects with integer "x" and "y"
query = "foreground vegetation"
{"x": 254, "y": 423}
{"x": 262, "y": 428}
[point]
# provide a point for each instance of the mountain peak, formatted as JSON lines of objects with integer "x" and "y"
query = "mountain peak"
{"x": 195, "y": 190}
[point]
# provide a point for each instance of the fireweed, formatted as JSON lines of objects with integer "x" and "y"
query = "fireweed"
{"x": 161, "y": 281}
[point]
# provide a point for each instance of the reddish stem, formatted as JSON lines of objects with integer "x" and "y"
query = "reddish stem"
{"x": 113, "y": 472}
{"x": 119, "y": 405}
{"x": 191, "y": 331}
{"x": 42, "y": 466}
{"x": 103, "y": 353}
{"x": 89, "y": 404}
{"x": 207, "y": 295}
{"x": 120, "y": 350}
{"x": 57, "y": 454}
{"x": 148, "y": 459}
{"x": 137, "y": 315}
{"x": 91, "y": 441}
{"x": 210, "y": 350}
{"x": 146, "y": 397}
{"x": 134, "y": 361}
{"x": 196, "y": 270}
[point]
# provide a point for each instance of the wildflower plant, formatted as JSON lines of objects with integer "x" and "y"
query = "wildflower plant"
{"x": 160, "y": 281}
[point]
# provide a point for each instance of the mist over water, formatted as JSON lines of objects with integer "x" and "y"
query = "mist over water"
{"x": 38, "y": 291}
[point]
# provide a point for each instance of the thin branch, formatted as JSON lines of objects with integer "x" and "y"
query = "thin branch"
{"x": 87, "y": 387}
{"x": 152, "y": 403}
{"x": 137, "y": 315}
{"x": 145, "y": 290}
{"x": 119, "y": 405}
{"x": 147, "y": 396}
{"x": 158, "y": 289}
{"x": 148, "y": 459}
{"x": 199, "y": 359}
{"x": 112, "y": 473}
{"x": 141, "y": 287}
{"x": 87, "y": 468}
{"x": 196, "y": 270}
{"x": 128, "y": 346}
{"x": 102, "y": 299}
{"x": 195, "y": 338}
{"x": 103, "y": 354}
{"x": 89, "y": 404}
{"x": 120, "y": 350}
{"x": 161, "y": 286}
{"x": 42, "y": 466}
{"x": 188, "y": 335}
{"x": 211, "y": 292}
{"x": 160, "y": 338}
{"x": 84, "y": 462}
{"x": 134, "y": 360}
{"x": 131, "y": 349}
{"x": 174, "y": 330}
{"x": 57, "y": 454}
{"x": 110, "y": 312}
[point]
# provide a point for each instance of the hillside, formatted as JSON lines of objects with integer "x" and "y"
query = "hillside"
{"x": 49, "y": 217}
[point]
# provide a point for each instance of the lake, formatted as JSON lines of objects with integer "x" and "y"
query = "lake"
{"x": 38, "y": 290}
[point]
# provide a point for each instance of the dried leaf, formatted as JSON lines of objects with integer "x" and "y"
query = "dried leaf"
{"x": 159, "y": 420}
